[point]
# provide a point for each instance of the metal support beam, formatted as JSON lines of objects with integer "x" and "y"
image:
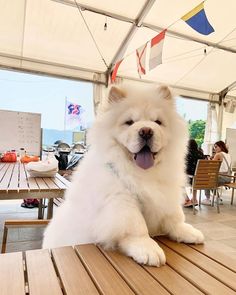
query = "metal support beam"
{"x": 220, "y": 120}
{"x": 183, "y": 91}
{"x": 137, "y": 23}
{"x": 224, "y": 91}
{"x": 40, "y": 67}
{"x": 95, "y": 10}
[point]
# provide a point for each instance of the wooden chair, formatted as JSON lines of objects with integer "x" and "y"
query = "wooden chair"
{"x": 206, "y": 177}
{"x": 231, "y": 185}
{"x": 20, "y": 223}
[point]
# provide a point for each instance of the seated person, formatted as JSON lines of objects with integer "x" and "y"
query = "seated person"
{"x": 221, "y": 154}
{"x": 193, "y": 155}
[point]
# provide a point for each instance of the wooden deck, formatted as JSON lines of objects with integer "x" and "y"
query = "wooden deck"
{"x": 87, "y": 269}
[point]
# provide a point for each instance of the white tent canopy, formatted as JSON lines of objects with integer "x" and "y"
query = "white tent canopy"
{"x": 57, "y": 37}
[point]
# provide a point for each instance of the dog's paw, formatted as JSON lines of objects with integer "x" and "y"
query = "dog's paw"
{"x": 186, "y": 233}
{"x": 143, "y": 250}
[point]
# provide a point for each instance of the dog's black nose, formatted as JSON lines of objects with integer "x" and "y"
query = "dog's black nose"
{"x": 145, "y": 133}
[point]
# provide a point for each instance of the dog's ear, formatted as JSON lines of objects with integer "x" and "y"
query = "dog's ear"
{"x": 116, "y": 94}
{"x": 164, "y": 92}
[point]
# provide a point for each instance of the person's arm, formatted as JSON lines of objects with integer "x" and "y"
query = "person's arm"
{"x": 218, "y": 157}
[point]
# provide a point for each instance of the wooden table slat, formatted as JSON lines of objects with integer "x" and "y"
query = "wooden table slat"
{"x": 74, "y": 277}
{"x": 33, "y": 186}
{"x": 6, "y": 177}
{"x": 42, "y": 277}
{"x": 202, "y": 280}
{"x": 106, "y": 278}
{"x": 41, "y": 184}
{"x": 63, "y": 180}
{"x": 217, "y": 270}
{"x": 14, "y": 183}
{"x": 3, "y": 168}
{"x": 50, "y": 183}
{"x": 214, "y": 253}
{"x": 12, "y": 274}
{"x": 23, "y": 183}
{"x": 173, "y": 281}
{"x": 58, "y": 182}
{"x": 134, "y": 274}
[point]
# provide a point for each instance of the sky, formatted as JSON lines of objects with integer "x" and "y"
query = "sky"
{"x": 192, "y": 109}
{"x": 46, "y": 95}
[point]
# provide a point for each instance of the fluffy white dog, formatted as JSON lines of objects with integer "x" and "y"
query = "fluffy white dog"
{"x": 128, "y": 187}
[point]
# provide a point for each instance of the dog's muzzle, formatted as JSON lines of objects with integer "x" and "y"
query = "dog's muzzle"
{"x": 145, "y": 158}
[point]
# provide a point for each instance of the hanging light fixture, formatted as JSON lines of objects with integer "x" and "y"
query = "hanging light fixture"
{"x": 105, "y": 25}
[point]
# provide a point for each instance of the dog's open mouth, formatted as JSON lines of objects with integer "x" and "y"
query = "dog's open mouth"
{"x": 144, "y": 158}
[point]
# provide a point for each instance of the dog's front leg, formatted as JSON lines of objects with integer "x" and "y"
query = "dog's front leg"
{"x": 180, "y": 231}
{"x": 126, "y": 228}
{"x": 143, "y": 249}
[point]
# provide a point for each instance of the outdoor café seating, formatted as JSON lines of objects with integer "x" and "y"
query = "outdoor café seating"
{"x": 206, "y": 177}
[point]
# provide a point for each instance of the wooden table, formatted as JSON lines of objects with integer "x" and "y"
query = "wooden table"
{"x": 15, "y": 183}
{"x": 87, "y": 269}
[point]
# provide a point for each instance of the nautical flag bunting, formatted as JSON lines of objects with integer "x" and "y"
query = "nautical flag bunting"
{"x": 114, "y": 72}
{"x": 156, "y": 50}
{"x": 196, "y": 19}
{"x": 141, "y": 59}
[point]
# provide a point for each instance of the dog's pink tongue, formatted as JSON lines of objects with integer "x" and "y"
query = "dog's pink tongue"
{"x": 144, "y": 159}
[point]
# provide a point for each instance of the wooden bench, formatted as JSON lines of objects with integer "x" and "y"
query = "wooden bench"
{"x": 20, "y": 223}
{"x": 88, "y": 269}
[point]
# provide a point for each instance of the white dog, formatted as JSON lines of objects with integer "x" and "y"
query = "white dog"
{"x": 129, "y": 186}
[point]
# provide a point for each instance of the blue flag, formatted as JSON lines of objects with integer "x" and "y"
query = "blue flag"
{"x": 196, "y": 19}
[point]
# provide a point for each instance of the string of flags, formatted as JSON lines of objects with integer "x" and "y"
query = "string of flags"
{"x": 195, "y": 18}
{"x": 141, "y": 59}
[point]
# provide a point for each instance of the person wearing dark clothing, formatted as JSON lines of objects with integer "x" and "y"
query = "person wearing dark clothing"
{"x": 194, "y": 154}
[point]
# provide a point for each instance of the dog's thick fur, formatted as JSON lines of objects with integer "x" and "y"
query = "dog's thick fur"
{"x": 129, "y": 185}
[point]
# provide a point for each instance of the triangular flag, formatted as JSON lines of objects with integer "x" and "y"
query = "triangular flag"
{"x": 114, "y": 72}
{"x": 141, "y": 59}
{"x": 196, "y": 19}
{"x": 156, "y": 50}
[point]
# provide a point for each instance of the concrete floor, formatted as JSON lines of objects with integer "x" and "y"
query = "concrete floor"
{"x": 219, "y": 229}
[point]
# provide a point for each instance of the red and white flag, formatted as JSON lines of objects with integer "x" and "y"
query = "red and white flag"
{"x": 114, "y": 72}
{"x": 141, "y": 59}
{"x": 156, "y": 50}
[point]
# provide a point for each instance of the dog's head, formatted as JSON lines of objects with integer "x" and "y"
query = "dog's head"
{"x": 140, "y": 122}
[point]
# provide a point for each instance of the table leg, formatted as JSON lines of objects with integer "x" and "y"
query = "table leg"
{"x": 4, "y": 239}
{"x": 232, "y": 196}
{"x": 50, "y": 208}
{"x": 40, "y": 210}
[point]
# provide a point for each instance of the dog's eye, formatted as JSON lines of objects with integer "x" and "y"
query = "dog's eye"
{"x": 130, "y": 122}
{"x": 158, "y": 122}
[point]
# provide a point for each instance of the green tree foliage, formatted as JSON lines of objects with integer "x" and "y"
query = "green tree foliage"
{"x": 196, "y": 130}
